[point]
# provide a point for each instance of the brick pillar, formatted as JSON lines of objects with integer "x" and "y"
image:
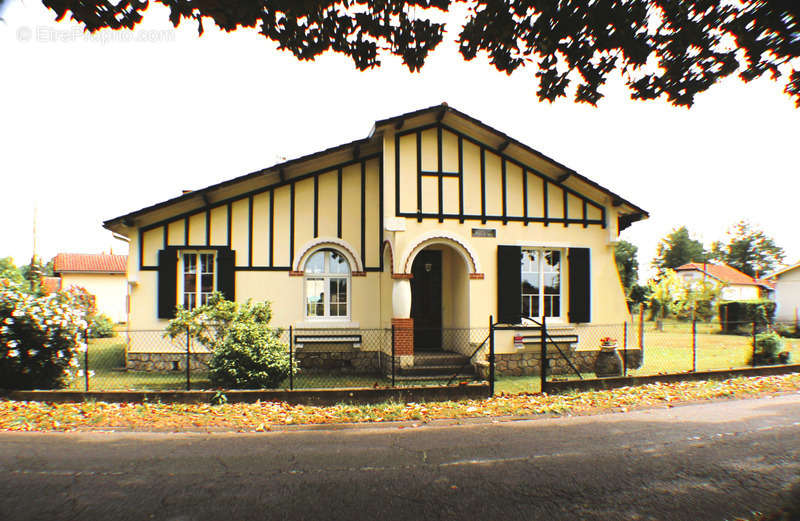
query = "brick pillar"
{"x": 403, "y": 336}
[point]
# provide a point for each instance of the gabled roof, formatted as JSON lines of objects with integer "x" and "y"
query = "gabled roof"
{"x": 775, "y": 274}
{"x": 89, "y": 263}
{"x": 724, "y": 273}
{"x": 559, "y": 173}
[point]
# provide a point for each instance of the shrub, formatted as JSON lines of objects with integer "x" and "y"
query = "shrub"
{"x": 733, "y": 315}
{"x": 40, "y": 339}
{"x": 767, "y": 349}
{"x": 101, "y": 326}
{"x": 246, "y": 352}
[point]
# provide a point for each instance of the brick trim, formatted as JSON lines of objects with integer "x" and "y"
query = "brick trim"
{"x": 401, "y": 276}
{"x": 476, "y": 276}
{"x": 359, "y": 274}
{"x": 403, "y": 336}
{"x": 296, "y": 273}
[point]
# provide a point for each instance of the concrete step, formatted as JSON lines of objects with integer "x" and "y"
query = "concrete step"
{"x": 439, "y": 358}
{"x": 434, "y": 370}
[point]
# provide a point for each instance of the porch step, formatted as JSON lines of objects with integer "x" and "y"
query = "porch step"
{"x": 433, "y": 378}
{"x": 439, "y": 358}
{"x": 436, "y": 366}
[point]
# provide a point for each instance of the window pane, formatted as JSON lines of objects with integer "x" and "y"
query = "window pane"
{"x": 207, "y": 263}
{"x": 315, "y": 297}
{"x": 189, "y": 300}
{"x": 552, "y": 261}
{"x": 530, "y": 261}
{"x": 316, "y": 263}
{"x": 189, "y": 283}
{"x": 190, "y": 263}
{"x": 338, "y": 264}
{"x": 207, "y": 282}
{"x": 338, "y": 293}
{"x": 530, "y": 284}
{"x": 526, "y": 305}
{"x": 552, "y": 283}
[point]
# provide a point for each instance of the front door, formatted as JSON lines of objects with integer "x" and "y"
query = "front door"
{"x": 426, "y": 300}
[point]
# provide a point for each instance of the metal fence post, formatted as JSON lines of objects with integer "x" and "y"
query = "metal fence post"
{"x": 754, "y": 343}
{"x": 188, "y": 360}
{"x": 694, "y": 344}
{"x": 641, "y": 327}
{"x": 491, "y": 355}
{"x": 86, "y": 360}
{"x": 392, "y": 361}
{"x": 543, "y": 354}
{"x": 291, "y": 359}
{"x": 625, "y": 348}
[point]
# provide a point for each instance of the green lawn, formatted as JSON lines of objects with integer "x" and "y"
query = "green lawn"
{"x": 666, "y": 351}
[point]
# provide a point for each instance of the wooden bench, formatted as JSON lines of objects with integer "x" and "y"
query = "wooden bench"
{"x": 301, "y": 340}
{"x": 559, "y": 339}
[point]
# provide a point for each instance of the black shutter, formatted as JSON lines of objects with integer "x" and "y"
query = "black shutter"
{"x": 580, "y": 285}
{"x": 167, "y": 283}
{"x": 226, "y": 277}
{"x": 509, "y": 284}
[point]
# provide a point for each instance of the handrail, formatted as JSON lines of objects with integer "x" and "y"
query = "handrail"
{"x": 469, "y": 359}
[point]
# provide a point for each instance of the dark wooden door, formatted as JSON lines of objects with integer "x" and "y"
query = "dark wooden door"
{"x": 426, "y": 300}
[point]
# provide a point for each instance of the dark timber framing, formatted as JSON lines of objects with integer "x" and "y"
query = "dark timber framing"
{"x": 270, "y": 189}
{"x": 505, "y": 160}
{"x": 338, "y": 203}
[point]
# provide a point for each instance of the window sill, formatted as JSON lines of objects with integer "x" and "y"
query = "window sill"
{"x": 326, "y": 324}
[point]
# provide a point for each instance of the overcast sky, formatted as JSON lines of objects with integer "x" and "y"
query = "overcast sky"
{"x": 94, "y": 127}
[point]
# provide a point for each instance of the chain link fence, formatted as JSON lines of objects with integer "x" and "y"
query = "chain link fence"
{"x": 322, "y": 358}
{"x": 645, "y": 348}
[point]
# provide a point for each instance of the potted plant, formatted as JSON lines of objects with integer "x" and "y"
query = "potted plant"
{"x": 608, "y": 362}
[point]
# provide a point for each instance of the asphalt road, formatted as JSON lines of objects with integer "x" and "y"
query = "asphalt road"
{"x": 712, "y": 461}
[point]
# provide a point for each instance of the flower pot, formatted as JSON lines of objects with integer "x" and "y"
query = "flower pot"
{"x": 608, "y": 362}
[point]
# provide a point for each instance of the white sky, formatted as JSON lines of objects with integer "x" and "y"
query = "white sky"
{"x": 94, "y": 127}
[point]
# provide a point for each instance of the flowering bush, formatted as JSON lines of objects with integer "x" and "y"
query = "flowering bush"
{"x": 608, "y": 341}
{"x": 40, "y": 338}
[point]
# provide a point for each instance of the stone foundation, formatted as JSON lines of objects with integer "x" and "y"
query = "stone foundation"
{"x": 167, "y": 361}
{"x": 528, "y": 363}
{"x": 341, "y": 362}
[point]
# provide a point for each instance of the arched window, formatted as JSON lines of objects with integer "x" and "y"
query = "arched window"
{"x": 327, "y": 281}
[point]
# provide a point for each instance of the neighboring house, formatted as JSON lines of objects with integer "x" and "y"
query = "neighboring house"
{"x": 433, "y": 223}
{"x": 101, "y": 274}
{"x": 787, "y": 292}
{"x": 51, "y": 285}
{"x": 735, "y": 285}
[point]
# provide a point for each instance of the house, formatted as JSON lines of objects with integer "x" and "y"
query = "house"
{"x": 433, "y": 223}
{"x": 101, "y": 274}
{"x": 787, "y": 292}
{"x": 735, "y": 285}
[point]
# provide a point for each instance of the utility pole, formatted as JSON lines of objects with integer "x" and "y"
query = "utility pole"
{"x": 34, "y": 267}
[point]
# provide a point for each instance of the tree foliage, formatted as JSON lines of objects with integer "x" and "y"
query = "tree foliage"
{"x": 749, "y": 250}
{"x": 625, "y": 254}
{"x": 666, "y": 293}
{"x": 677, "y": 249}
{"x": 671, "y": 48}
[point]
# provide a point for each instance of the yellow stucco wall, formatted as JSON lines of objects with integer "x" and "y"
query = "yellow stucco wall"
{"x": 109, "y": 289}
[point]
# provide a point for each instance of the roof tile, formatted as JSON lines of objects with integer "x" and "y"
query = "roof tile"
{"x": 89, "y": 263}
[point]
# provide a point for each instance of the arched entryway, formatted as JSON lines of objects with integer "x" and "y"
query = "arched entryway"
{"x": 439, "y": 298}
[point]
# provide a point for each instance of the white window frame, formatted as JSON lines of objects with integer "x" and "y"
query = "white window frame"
{"x": 326, "y": 277}
{"x": 198, "y": 285}
{"x": 541, "y": 250}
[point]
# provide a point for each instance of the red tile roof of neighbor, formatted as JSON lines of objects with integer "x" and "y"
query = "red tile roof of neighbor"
{"x": 89, "y": 263}
{"x": 725, "y": 273}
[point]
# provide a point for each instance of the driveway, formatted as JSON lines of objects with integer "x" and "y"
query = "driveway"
{"x": 710, "y": 461}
